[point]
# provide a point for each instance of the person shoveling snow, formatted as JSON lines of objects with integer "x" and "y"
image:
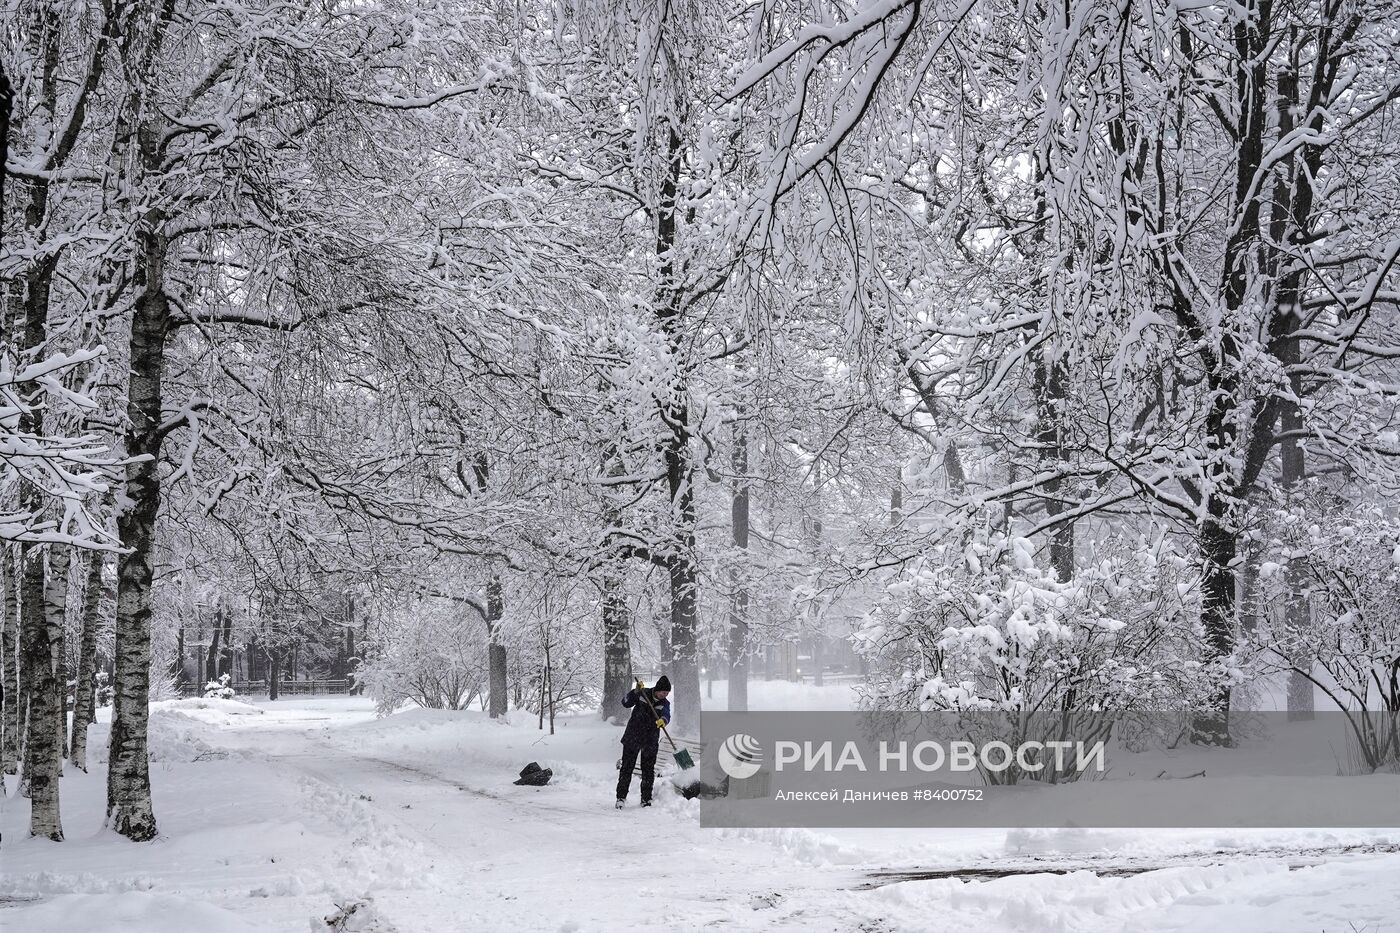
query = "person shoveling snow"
{"x": 651, "y": 711}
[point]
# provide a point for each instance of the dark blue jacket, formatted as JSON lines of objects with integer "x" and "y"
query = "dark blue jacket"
{"x": 641, "y": 731}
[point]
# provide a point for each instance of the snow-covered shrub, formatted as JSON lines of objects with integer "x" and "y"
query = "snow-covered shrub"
{"x": 104, "y": 689}
{"x": 431, "y": 657}
{"x": 1344, "y": 564}
{"x": 220, "y": 689}
{"x": 556, "y": 636}
{"x": 988, "y": 630}
{"x": 355, "y": 916}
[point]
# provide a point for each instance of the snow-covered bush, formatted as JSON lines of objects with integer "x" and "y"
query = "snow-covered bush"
{"x": 555, "y": 636}
{"x": 354, "y": 916}
{"x": 987, "y": 630}
{"x": 990, "y": 630}
{"x": 1344, "y": 563}
{"x": 104, "y": 689}
{"x": 431, "y": 656}
{"x": 220, "y": 689}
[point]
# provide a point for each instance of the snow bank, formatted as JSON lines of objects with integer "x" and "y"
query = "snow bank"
{"x": 127, "y": 912}
{"x": 209, "y": 704}
{"x": 170, "y": 740}
{"x": 373, "y": 854}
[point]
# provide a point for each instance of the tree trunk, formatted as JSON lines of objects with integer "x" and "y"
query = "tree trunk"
{"x": 42, "y": 759}
{"x": 43, "y": 746}
{"x": 495, "y": 611}
{"x": 497, "y": 662}
{"x": 352, "y": 653}
{"x": 1051, "y": 394}
{"x": 1218, "y": 544}
{"x": 617, "y": 676}
{"x": 255, "y": 657}
{"x": 129, "y": 808}
{"x": 739, "y": 506}
{"x": 274, "y": 675}
{"x": 549, "y": 686}
{"x": 617, "y": 646}
{"x": 208, "y": 668}
{"x": 1289, "y": 217}
{"x": 1296, "y": 610}
{"x": 55, "y": 618}
{"x": 221, "y": 649}
{"x": 10, "y": 649}
{"x": 1248, "y": 590}
{"x": 177, "y": 667}
{"x": 84, "y": 694}
{"x": 1226, "y": 486}
{"x": 679, "y": 559}
{"x": 685, "y": 592}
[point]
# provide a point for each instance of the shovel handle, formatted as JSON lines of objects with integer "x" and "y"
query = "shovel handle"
{"x": 641, "y": 688}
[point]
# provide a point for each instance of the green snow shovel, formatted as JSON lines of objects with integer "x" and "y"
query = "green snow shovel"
{"x": 682, "y": 755}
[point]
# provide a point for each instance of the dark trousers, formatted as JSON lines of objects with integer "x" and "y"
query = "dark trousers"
{"x": 629, "y": 761}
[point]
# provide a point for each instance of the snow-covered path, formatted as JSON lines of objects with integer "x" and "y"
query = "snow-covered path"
{"x": 506, "y": 857}
{"x": 274, "y": 813}
{"x": 499, "y": 863}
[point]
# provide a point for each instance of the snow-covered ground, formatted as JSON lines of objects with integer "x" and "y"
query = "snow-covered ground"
{"x": 275, "y": 814}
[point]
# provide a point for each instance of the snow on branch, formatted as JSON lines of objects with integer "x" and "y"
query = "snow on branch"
{"x": 60, "y": 472}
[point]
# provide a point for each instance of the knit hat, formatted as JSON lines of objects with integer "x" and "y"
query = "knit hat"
{"x": 662, "y": 683}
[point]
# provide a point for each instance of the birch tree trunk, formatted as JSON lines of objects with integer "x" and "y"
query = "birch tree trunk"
{"x": 43, "y": 749}
{"x": 10, "y": 648}
{"x": 84, "y": 694}
{"x": 42, "y": 761}
{"x": 55, "y": 613}
{"x": 42, "y": 713}
{"x": 129, "y": 809}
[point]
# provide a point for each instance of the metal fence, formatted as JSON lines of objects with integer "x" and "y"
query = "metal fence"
{"x": 284, "y": 688}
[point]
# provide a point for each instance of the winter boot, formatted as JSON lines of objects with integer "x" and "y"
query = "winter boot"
{"x": 646, "y": 803}
{"x": 620, "y": 802}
